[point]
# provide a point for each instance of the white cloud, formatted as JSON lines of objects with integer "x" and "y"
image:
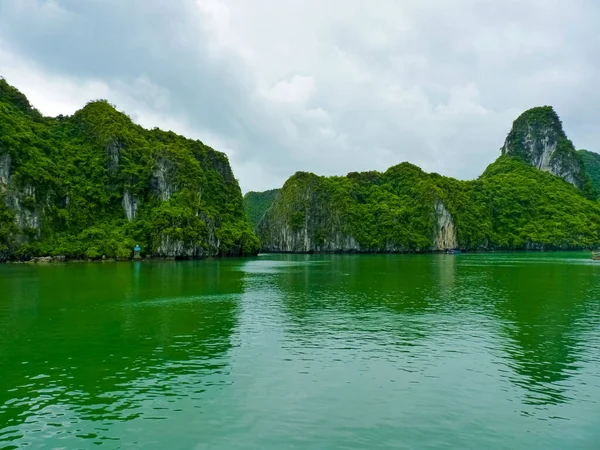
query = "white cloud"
{"x": 329, "y": 87}
{"x": 52, "y": 95}
{"x": 298, "y": 89}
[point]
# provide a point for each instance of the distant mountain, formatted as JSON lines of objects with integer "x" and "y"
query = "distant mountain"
{"x": 257, "y": 203}
{"x": 95, "y": 184}
{"x": 591, "y": 162}
{"x": 537, "y": 195}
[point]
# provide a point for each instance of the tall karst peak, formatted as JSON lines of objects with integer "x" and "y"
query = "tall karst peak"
{"x": 538, "y": 138}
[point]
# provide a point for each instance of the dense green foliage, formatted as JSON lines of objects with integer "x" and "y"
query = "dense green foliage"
{"x": 591, "y": 162}
{"x": 511, "y": 206}
{"x": 376, "y": 209}
{"x": 529, "y": 208}
{"x": 96, "y": 184}
{"x": 257, "y": 203}
{"x": 72, "y": 178}
{"x": 538, "y": 130}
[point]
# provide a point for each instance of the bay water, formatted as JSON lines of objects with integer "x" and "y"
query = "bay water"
{"x": 469, "y": 351}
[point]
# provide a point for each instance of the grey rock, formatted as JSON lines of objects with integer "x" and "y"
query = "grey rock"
{"x": 445, "y": 232}
{"x": 5, "y": 165}
{"x": 113, "y": 153}
{"x": 130, "y": 205}
{"x": 545, "y": 147}
{"x": 25, "y": 206}
{"x": 161, "y": 180}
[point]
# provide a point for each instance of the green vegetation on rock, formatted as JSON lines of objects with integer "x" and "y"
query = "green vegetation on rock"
{"x": 95, "y": 184}
{"x": 591, "y": 162}
{"x": 257, "y": 203}
{"x": 537, "y": 137}
{"x": 513, "y": 205}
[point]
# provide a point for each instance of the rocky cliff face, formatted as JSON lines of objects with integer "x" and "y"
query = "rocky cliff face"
{"x": 96, "y": 184}
{"x": 445, "y": 231}
{"x": 5, "y": 163}
{"x": 521, "y": 202}
{"x": 309, "y": 217}
{"x": 538, "y": 138}
{"x": 331, "y": 236}
{"x": 313, "y": 227}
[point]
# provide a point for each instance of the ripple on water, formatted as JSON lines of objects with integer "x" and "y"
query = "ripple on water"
{"x": 477, "y": 351}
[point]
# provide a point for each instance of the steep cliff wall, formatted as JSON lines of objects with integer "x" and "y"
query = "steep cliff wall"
{"x": 538, "y": 138}
{"x": 307, "y": 222}
{"x": 534, "y": 197}
{"x": 257, "y": 203}
{"x": 371, "y": 212}
{"x": 445, "y": 232}
{"x": 96, "y": 184}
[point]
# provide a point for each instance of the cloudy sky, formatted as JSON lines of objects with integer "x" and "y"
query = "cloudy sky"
{"x": 328, "y": 86}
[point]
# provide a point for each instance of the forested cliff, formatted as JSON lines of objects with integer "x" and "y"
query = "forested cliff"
{"x": 537, "y": 195}
{"x": 257, "y": 203}
{"x": 591, "y": 163}
{"x": 95, "y": 184}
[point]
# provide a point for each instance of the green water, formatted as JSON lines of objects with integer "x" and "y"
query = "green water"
{"x": 316, "y": 352}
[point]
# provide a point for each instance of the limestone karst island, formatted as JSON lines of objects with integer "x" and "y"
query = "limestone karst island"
{"x": 94, "y": 185}
{"x": 540, "y": 194}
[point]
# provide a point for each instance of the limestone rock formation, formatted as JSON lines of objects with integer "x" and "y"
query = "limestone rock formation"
{"x": 538, "y": 138}
{"x": 96, "y": 184}
{"x": 445, "y": 236}
{"x": 521, "y": 202}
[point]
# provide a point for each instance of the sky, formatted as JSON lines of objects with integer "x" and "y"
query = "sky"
{"x": 327, "y": 86}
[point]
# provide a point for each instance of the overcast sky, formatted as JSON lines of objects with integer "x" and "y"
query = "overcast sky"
{"x": 328, "y": 86}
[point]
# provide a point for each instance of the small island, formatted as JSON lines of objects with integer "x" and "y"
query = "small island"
{"x": 540, "y": 194}
{"x": 95, "y": 184}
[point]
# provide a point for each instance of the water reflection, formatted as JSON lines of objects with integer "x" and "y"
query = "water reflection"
{"x": 538, "y": 309}
{"x": 97, "y": 342}
{"x": 283, "y": 351}
{"x": 348, "y": 300}
{"x": 542, "y": 303}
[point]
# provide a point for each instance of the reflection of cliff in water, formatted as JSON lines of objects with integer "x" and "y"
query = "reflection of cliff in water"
{"x": 542, "y": 307}
{"x": 355, "y": 294}
{"x": 400, "y": 283}
{"x": 115, "y": 325}
{"x": 546, "y": 313}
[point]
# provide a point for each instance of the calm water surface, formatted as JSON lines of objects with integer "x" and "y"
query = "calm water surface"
{"x": 317, "y": 352}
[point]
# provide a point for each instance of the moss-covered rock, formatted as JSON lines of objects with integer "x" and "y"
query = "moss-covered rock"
{"x": 257, "y": 203}
{"x": 95, "y": 184}
{"x": 513, "y": 205}
{"x": 537, "y": 137}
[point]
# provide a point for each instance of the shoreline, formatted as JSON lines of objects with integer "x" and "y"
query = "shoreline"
{"x": 46, "y": 260}
{"x": 64, "y": 260}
